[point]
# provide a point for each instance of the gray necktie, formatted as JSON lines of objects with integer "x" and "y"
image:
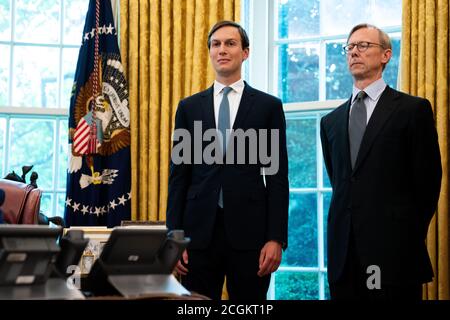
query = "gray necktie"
{"x": 357, "y": 125}
{"x": 224, "y": 124}
{"x": 224, "y": 117}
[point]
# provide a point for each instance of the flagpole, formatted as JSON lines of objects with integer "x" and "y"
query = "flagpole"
{"x": 93, "y": 133}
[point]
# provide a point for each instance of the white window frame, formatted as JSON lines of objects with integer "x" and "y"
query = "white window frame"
{"x": 262, "y": 51}
{"x": 262, "y": 46}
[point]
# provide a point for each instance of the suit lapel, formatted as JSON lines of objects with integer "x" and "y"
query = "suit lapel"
{"x": 342, "y": 132}
{"x": 245, "y": 105}
{"x": 381, "y": 114}
{"x": 209, "y": 120}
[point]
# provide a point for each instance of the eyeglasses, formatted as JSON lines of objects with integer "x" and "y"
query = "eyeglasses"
{"x": 361, "y": 46}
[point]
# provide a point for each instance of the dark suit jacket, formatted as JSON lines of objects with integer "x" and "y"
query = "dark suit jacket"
{"x": 254, "y": 213}
{"x": 391, "y": 195}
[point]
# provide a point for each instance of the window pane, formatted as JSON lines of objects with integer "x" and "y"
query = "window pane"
{"x": 37, "y": 21}
{"x": 2, "y": 145}
{"x": 338, "y": 79}
{"x": 390, "y": 74}
{"x": 32, "y": 144}
{"x": 74, "y": 23}
{"x": 35, "y": 76}
{"x": 301, "y": 143}
{"x": 385, "y": 13}
{"x": 70, "y": 57}
{"x": 63, "y": 154}
{"x": 298, "y": 18}
{"x": 298, "y": 72}
{"x": 296, "y": 286}
{"x": 47, "y": 204}
{"x": 5, "y": 20}
{"x": 326, "y": 207}
{"x": 302, "y": 238}
{"x": 60, "y": 205}
{"x": 338, "y": 19}
{"x": 4, "y": 74}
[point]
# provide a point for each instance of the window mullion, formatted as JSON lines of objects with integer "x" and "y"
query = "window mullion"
{"x": 322, "y": 70}
{"x": 260, "y": 42}
{"x": 61, "y": 46}
{"x": 320, "y": 224}
{"x": 321, "y": 276}
{"x": 11, "y": 50}
{"x": 56, "y": 164}
{"x": 7, "y": 144}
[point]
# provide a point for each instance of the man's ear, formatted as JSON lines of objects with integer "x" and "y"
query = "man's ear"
{"x": 386, "y": 56}
{"x": 246, "y": 54}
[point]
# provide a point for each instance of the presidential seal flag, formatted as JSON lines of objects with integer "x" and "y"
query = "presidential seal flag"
{"x": 99, "y": 175}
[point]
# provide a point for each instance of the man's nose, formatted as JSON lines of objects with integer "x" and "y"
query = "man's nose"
{"x": 222, "y": 49}
{"x": 354, "y": 52}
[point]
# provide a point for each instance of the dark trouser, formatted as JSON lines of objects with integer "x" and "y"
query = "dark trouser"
{"x": 208, "y": 268}
{"x": 352, "y": 284}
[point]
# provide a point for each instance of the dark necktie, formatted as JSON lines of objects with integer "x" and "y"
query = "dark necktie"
{"x": 224, "y": 118}
{"x": 224, "y": 125}
{"x": 357, "y": 125}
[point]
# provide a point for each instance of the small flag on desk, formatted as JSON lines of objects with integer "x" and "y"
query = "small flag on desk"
{"x": 99, "y": 174}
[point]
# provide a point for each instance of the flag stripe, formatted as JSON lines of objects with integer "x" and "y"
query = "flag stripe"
{"x": 82, "y": 135}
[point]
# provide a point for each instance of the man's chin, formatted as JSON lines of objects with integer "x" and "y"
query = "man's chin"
{"x": 357, "y": 74}
{"x": 224, "y": 72}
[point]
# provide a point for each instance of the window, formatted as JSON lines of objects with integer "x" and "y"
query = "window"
{"x": 296, "y": 54}
{"x": 309, "y": 63}
{"x": 39, "y": 44}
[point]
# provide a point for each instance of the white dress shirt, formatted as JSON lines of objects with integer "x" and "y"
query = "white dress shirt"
{"x": 234, "y": 99}
{"x": 374, "y": 91}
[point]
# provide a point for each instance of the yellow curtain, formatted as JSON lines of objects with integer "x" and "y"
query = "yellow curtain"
{"x": 425, "y": 73}
{"x": 165, "y": 55}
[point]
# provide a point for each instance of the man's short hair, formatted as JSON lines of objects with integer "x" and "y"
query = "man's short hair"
{"x": 227, "y": 23}
{"x": 384, "y": 39}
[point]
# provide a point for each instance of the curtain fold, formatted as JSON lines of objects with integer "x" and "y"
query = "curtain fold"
{"x": 165, "y": 55}
{"x": 425, "y": 73}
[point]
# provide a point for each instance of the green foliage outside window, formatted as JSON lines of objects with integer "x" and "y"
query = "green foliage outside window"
{"x": 297, "y": 286}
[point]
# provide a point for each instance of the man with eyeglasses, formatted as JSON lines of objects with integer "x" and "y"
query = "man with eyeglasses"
{"x": 382, "y": 157}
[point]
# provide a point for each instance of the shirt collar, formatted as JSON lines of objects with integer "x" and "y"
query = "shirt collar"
{"x": 374, "y": 90}
{"x": 238, "y": 86}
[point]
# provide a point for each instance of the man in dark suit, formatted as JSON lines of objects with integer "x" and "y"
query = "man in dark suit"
{"x": 235, "y": 215}
{"x": 382, "y": 156}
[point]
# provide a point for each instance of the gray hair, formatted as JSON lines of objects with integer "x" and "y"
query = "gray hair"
{"x": 385, "y": 41}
